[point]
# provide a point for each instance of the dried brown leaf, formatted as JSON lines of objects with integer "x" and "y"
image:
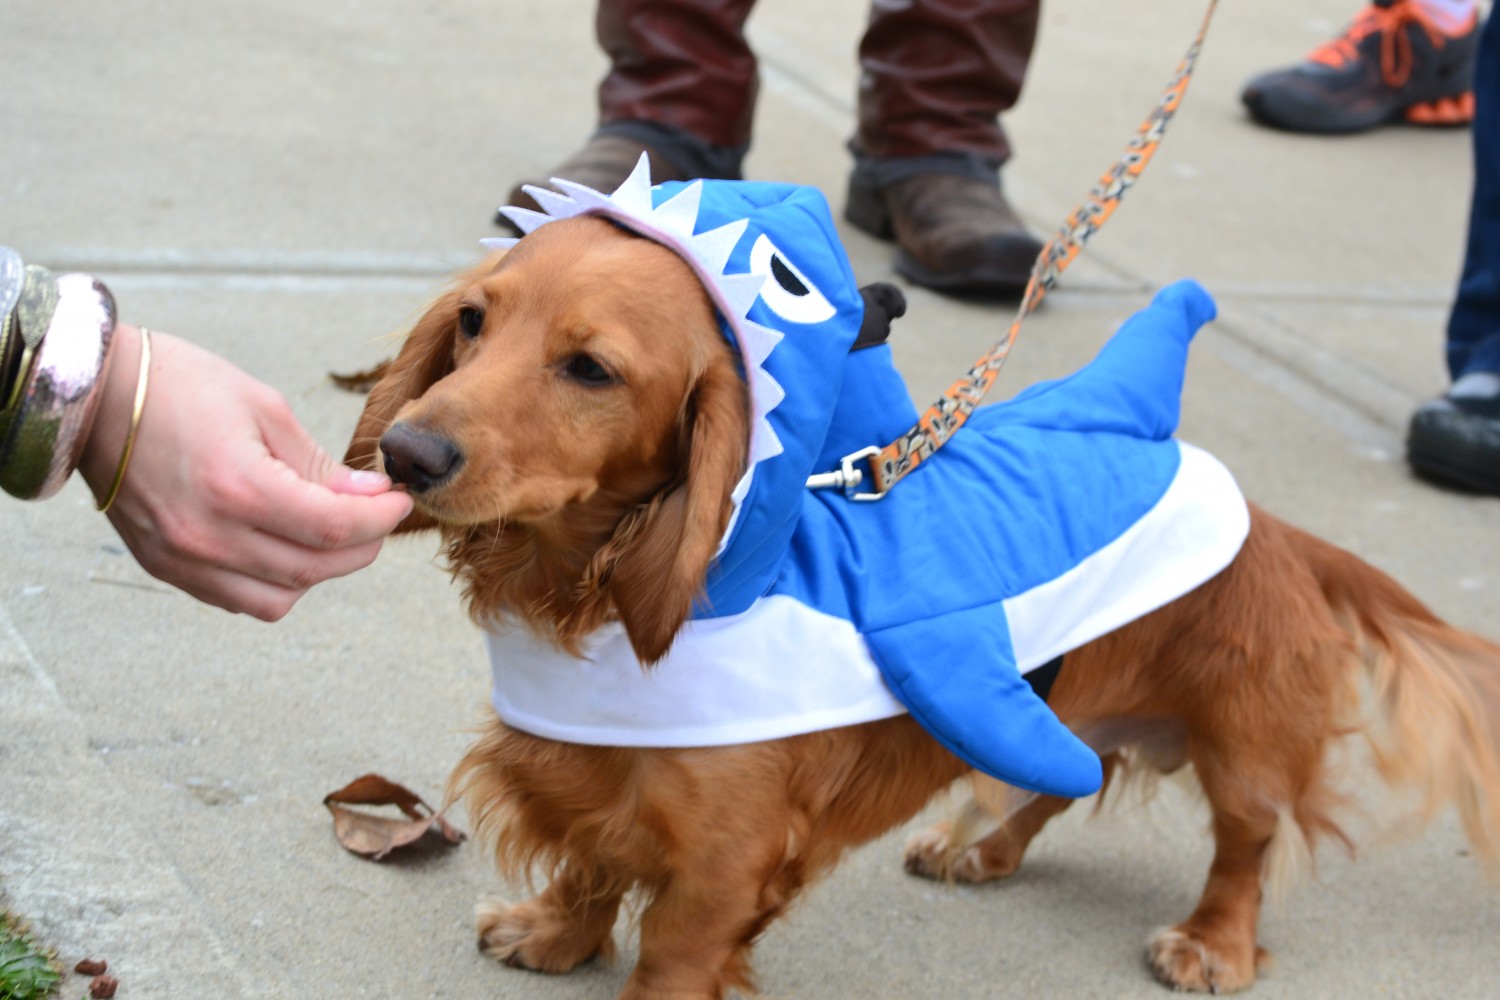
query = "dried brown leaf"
{"x": 373, "y": 836}
{"x": 378, "y": 790}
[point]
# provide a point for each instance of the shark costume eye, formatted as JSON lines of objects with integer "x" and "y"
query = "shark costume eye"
{"x": 787, "y": 291}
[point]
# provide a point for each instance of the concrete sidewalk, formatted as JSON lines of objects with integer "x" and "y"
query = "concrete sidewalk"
{"x": 287, "y": 183}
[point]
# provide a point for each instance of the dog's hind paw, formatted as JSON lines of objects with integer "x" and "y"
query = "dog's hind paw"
{"x": 927, "y": 852}
{"x": 1184, "y": 961}
{"x": 531, "y": 936}
{"x": 930, "y": 853}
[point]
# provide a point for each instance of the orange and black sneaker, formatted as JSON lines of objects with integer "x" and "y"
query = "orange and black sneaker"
{"x": 1393, "y": 64}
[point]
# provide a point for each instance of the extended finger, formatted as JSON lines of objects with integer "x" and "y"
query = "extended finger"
{"x": 312, "y": 498}
{"x": 358, "y": 481}
{"x": 312, "y": 515}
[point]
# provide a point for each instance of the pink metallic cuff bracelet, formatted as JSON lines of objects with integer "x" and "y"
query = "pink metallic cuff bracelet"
{"x": 67, "y": 324}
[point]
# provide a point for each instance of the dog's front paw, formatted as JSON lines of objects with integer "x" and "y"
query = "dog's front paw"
{"x": 1185, "y": 961}
{"x": 532, "y": 936}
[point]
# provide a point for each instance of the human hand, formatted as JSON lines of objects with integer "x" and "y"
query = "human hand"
{"x": 226, "y": 496}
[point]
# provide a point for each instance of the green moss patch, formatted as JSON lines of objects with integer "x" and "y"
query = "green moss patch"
{"x": 27, "y": 970}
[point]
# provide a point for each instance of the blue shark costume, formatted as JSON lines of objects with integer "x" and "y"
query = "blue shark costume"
{"x": 1046, "y": 522}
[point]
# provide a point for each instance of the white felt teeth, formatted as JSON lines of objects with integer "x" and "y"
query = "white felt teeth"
{"x": 498, "y": 242}
{"x": 740, "y": 290}
{"x": 679, "y": 213}
{"x": 583, "y": 199}
{"x": 634, "y": 196}
{"x": 672, "y": 223}
{"x": 558, "y": 206}
{"x": 525, "y": 219}
{"x": 714, "y": 247}
{"x": 758, "y": 341}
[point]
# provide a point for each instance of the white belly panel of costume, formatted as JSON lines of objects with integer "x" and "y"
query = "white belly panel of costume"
{"x": 782, "y": 668}
{"x": 1193, "y": 532}
{"x": 778, "y": 669}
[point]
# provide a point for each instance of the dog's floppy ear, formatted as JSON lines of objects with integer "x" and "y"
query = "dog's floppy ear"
{"x": 425, "y": 357}
{"x": 654, "y": 567}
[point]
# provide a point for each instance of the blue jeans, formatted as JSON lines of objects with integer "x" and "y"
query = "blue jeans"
{"x": 1474, "y": 324}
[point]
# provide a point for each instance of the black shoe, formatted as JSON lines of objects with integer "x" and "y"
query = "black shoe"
{"x": 1456, "y": 437}
{"x": 1392, "y": 64}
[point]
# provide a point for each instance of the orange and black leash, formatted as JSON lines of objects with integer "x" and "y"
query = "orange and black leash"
{"x": 888, "y": 465}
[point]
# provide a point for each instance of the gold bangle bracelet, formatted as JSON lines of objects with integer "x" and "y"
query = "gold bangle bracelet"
{"x": 135, "y": 421}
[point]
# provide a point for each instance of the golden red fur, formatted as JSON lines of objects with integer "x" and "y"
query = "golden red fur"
{"x": 601, "y": 424}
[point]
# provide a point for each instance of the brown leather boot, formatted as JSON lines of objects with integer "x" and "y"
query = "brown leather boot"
{"x": 602, "y": 164}
{"x": 954, "y": 233}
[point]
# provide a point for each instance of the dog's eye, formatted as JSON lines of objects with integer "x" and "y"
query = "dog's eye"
{"x": 588, "y": 371}
{"x": 470, "y": 321}
{"x": 787, "y": 291}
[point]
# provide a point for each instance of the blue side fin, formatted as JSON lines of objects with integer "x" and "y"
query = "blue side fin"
{"x": 956, "y": 674}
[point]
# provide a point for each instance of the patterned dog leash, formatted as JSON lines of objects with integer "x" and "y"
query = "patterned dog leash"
{"x": 889, "y": 465}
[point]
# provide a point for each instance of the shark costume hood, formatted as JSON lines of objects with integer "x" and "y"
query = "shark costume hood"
{"x": 1046, "y": 522}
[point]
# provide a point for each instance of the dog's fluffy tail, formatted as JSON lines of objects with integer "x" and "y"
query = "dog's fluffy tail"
{"x": 1431, "y": 701}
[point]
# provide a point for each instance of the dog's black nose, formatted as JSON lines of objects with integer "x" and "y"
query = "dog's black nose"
{"x": 417, "y": 458}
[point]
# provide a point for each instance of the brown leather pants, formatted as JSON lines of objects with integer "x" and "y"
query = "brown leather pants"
{"x": 935, "y": 74}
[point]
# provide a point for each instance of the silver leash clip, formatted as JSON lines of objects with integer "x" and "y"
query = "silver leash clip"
{"x": 847, "y": 477}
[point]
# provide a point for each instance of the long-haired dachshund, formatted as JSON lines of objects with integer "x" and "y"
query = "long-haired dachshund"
{"x": 575, "y": 441}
